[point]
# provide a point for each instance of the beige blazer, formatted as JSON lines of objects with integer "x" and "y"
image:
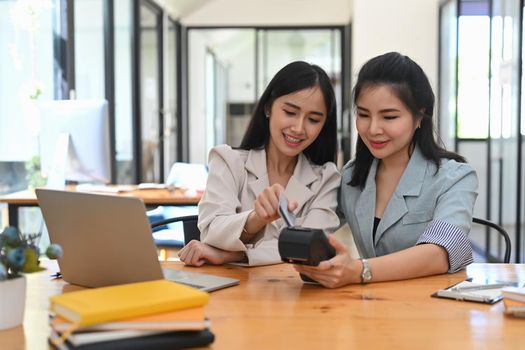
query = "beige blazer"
{"x": 236, "y": 177}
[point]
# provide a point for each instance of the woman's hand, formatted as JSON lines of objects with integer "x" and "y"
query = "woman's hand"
{"x": 266, "y": 206}
{"x": 196, "y": 253}
{"x": 266, "y": 210}
{"x": 337, "y": 271}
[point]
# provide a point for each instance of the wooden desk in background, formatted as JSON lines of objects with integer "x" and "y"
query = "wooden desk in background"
{"x": 273, "y": 309}
{"x": 154, "y": 197}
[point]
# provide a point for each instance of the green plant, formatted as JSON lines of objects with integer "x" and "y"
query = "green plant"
{"x": 34, "y": 175}
{"x": 20, "y": 254}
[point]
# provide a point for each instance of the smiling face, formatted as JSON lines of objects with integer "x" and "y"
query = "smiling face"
{"x": 296, "y": 120}
{"x": 385, "y": 124}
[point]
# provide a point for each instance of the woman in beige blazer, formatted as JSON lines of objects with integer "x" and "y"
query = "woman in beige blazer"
{"x": 289, "y": 147}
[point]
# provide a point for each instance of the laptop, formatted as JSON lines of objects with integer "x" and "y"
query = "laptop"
{"x": 107, "y": 240}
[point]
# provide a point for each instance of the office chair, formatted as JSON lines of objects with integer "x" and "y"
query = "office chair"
{"x": 191, "y": 231}
{"x": 501, "y": 231}
{"x": 189, "y": 223}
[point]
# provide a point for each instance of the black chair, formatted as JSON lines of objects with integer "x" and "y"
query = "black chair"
{"x": 501, "y": 231}
{"x": 189, "y": 223}
{"x": 191, "y": 231}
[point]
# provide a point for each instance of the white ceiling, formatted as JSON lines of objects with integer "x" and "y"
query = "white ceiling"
{"x": 259, "y": 12}
{"x": 179, "y": 8}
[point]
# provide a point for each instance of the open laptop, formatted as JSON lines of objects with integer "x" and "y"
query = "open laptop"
{"x": 107, "y": 240}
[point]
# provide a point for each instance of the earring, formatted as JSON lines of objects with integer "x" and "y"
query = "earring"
{"x": 267, "y": 116}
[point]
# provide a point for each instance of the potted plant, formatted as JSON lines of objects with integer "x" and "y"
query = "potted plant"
{"x": 19, "y": 254}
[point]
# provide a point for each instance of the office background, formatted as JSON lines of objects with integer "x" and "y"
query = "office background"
{"x": 183, "y": 75}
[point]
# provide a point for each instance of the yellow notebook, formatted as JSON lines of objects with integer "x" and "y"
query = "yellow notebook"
{"x": 92, "y": 306}
{"x": 187, "y": 319}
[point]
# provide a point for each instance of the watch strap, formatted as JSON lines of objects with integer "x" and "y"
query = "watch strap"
{"x": 366, "y": 273}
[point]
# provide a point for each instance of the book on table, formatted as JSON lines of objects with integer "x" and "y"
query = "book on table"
{"x": 105, "y": 304}
{"x": 514, "y": 293}
{"x": 157, "y": 341}
{"x": 154, "y": 314}
{"x": 514, "y": 308}
{"x": 514, "y": 301}
{"x": 188, "y": 319}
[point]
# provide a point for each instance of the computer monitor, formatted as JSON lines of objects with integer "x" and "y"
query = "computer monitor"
{"x": 74, "y": 138}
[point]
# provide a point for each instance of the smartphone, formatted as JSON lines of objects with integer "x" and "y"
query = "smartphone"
{"x": 288, "y": 216}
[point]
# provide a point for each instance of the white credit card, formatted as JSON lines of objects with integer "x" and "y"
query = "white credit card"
{"x": 288, "y": 216}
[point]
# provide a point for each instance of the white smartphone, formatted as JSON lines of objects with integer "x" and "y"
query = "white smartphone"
{"x": 288, "y": 216}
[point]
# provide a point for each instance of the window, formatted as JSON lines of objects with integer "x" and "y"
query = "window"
{"x": 123, "y": 94}
{"x": 89, "y": 49}
{"x": 26, "y": 68}
{"x": 230, "y": 67}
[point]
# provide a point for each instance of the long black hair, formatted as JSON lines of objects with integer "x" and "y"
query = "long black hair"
{"x": 411, "y": 85}
{"x": 294, "y": 77}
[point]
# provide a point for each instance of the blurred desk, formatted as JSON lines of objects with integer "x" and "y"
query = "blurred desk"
{"x": 151, "y": 197}
{"x": 273, "y": 309}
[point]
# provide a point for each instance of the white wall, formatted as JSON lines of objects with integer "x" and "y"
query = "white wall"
{"x": 178, "y": 8}
{"x": 408, "y": 26}
{"x": 270, "y": 12}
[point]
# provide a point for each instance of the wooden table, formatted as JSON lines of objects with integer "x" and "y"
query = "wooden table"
{"x": 272, "y": 309}
{"x": 27, "y": 198}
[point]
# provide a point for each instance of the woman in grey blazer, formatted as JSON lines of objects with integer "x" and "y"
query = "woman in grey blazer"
{"x": 289, "y": 147}
{"x": 408, "y": 201}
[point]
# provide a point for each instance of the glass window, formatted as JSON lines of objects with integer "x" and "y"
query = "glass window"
{"x": 521, "y": 246}
{"x": 488, "y": 105}
{"x": 89, "y": 49}
{"x": 170, "y": 110}
{"x": 222, "y": 73}
{"x": 473, "y": 76}
{"x": 26, "y": 71}
{"x": 229, "y": 68}
{"x": 448, "y": 84}
{"x": 504, "y": 113}
{"x": 123, "y": 105}
{"x": 318, "y": 46}
{"x": 150, "y": 99}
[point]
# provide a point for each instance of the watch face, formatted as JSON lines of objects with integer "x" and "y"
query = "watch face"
{"x": 367, "y": 275}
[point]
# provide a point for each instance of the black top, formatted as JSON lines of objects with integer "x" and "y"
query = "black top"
{"x": 376, "y": 223}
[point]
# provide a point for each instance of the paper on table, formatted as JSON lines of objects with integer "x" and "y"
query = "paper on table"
{"x": 87, "y": 187}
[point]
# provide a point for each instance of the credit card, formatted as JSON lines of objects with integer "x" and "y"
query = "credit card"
{"x": 288, "y": 216}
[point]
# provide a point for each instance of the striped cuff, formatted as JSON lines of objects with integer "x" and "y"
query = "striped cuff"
{"x": 455, "y": 242}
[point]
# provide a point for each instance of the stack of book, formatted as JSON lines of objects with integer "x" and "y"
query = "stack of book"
{"x": 145, "y": 315}
{"x": 514, "y": 300}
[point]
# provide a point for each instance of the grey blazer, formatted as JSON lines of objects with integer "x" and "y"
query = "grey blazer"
{"x": 237, "y": 177}
{"x": 426, "y": 207}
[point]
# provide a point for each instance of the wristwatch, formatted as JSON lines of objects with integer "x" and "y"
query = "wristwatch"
{"x": 366, "y": 273}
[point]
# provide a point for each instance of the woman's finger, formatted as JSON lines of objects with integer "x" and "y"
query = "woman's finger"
{"x": 339, "y": 247}
{"x": 326, "y": 265}
{"x": 261, "y": 211}
{"x": 189, "y": 257}
{"x": 272, "y": 199}
{"x": 182, "y": 253}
